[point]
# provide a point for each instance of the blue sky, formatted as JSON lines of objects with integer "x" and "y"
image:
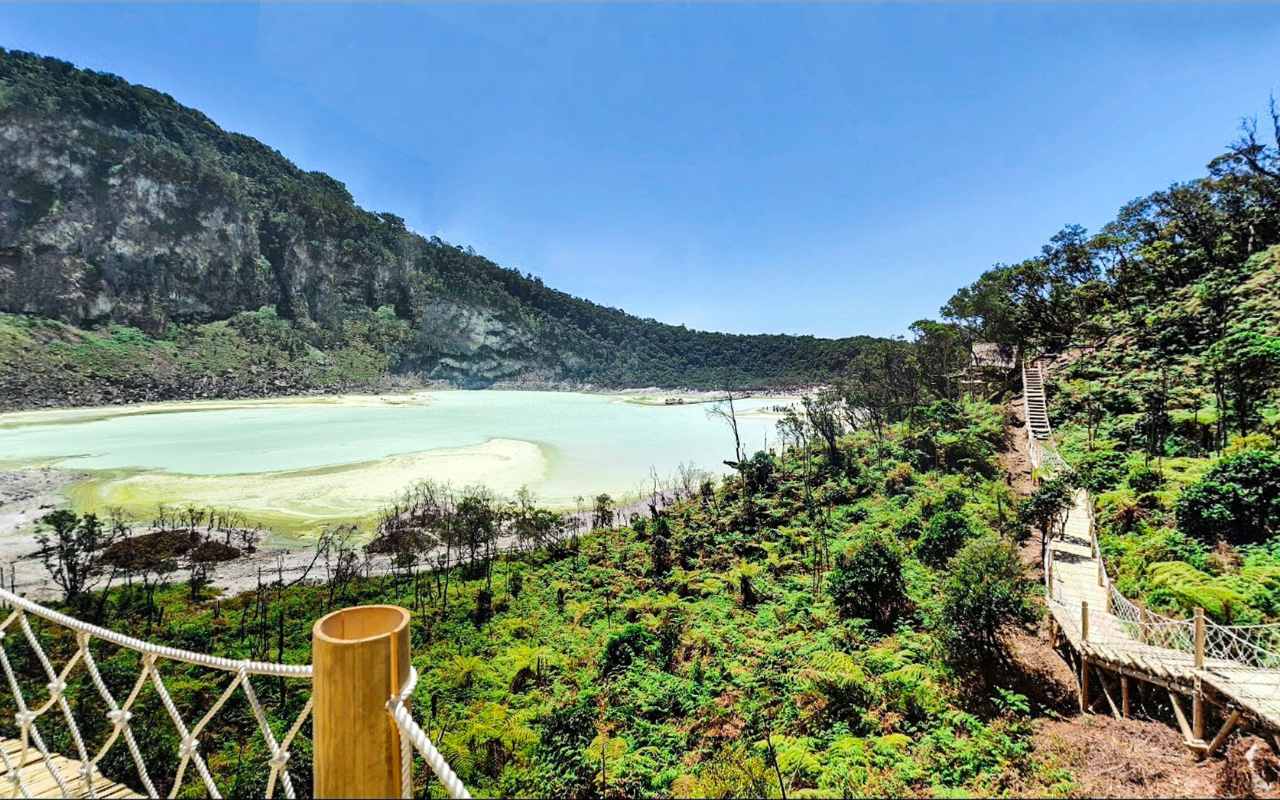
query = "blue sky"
{"x": 826, "y": 169}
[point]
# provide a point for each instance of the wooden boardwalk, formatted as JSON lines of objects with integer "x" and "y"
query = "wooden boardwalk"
{"x": 38, "y": 780}
{"x": 1233, "y": 668}
{"x": 1144, "y": 646}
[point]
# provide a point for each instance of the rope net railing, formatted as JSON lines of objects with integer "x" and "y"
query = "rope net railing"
{"x": 111, "y": 702}
{"x": 110, "y": 705}
{"x": 1138, "y": 625}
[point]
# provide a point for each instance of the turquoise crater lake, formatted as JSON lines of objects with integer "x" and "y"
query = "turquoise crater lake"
{"x": 306, "y": 460}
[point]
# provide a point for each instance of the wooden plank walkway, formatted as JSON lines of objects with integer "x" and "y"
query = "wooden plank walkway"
{"x": 1075, "y": 579}
{"x": 38, "y": 780}
{"x": 1128, "y": 640}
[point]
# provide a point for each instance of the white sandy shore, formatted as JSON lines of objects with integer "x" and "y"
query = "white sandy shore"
{"x": 25, "y": 496}
{"x": 332, "y": 493}
{"x": 90, "y": 413}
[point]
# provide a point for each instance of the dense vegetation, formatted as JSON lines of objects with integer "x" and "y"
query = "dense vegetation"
{"x": 810, "y": 626}
{"x": 252, "y": 354}
{"x": 1164, "y": 395}
{"x": 125, "y": 208}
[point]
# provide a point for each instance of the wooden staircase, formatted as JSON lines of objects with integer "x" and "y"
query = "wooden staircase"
{"x": 1034, "y": 399}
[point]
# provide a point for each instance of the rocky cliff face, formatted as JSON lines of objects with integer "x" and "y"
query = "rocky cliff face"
{"x": 95, "y": 231}
{"x": 97, "y": 226}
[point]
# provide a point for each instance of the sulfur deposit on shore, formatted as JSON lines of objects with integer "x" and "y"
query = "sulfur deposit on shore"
{"x": 313, "y": 496}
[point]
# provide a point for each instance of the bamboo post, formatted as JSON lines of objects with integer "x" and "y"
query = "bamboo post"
{"x": 361, "y": 658}
{"x": 1182, "y": 718}
{"x": 1101, "y": 573}
{"x": 1084, "y": 660}
{"x": 1197, "y": 699}
{"x": 1102, "y": 681}
{"x": 1084, "y": 684}
{"x": 1197, "y": 711}
{"x": 1223, "y": 732}
{"x": 1199, "y": 638}
{"x": 1124, "y": 695}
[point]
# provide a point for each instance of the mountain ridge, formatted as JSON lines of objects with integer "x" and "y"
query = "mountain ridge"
{"x": 125, "y": 208}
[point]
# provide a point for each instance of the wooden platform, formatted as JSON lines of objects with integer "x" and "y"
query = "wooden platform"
{"x": 38, "y": 780}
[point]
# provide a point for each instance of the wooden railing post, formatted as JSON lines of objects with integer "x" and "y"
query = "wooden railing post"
{"x": 1197, "y": 698}
{"x": 361, "y": 658}
{"x": 1199, "y": 638}
{"x": 1084, "y": 659}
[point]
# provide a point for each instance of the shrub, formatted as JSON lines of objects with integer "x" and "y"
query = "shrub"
{"x": 946, "y": 532}
{"x": 899, "y": 479}
{"x": 625, "y": 646}
{"x": 1237, "y": 501}
{"x": 1180, "y": 587}
{"x": 954, "y": 499}
{"x": 660, "y": 548}
{"x": 1100, "y": 470}
{"x": 867, "y": 580}
{"x": 484, "y": 607}
{"x": 1145, "y": 480}
{"x": 986, "y": 591}
{"x": 757, "y": 471}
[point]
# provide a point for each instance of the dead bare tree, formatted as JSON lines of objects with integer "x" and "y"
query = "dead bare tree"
{"x": 724, "y": 410}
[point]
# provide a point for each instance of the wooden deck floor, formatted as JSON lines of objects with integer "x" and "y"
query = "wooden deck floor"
{"x": 38, "y": 780}
{"x": 1075, "y": 576}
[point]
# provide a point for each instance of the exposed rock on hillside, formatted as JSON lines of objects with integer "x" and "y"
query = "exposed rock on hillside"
{"x": 119, "y": 206}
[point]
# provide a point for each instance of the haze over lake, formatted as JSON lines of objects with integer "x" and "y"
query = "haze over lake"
{"x": 306, "y": 460}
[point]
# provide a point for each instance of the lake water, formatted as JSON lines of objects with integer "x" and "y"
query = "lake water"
{"x": 327, "y": 457}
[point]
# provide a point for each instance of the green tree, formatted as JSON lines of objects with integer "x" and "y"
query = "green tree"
{"x": 945, "y": 533}
{"x": 1249, "y": 363}
{"x": 867, "y": 580}
{"x": 942, "y": 352}
{"x": 1046, "y": 509}
{"x": 822, "y": 410}
{"x": 1237, "y": 501}
{"x": 987, "y": 590}
{"x": 71, "y": 549}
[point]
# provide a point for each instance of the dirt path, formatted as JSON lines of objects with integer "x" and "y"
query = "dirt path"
{"x": 1106, "y": 757}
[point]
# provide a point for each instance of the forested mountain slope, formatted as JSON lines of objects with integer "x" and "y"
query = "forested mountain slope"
{"x": 121, "y": 207}
{"x": 1165, "y": 388}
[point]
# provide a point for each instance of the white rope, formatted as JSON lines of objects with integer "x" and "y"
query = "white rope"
{"x": 410, "y": 730}
{"x": 118, "y": 716}
{"x": 279, "y": 752}
{"x": 139, "y": 646}
{"x": 57, "y": 695}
